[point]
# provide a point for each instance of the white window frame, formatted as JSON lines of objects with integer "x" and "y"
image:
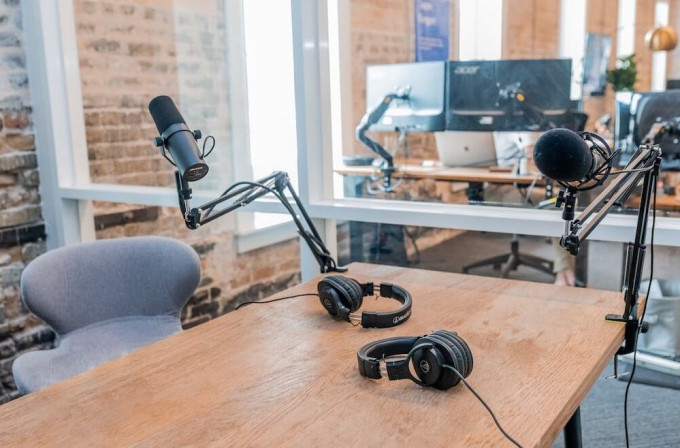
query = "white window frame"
{"x": 248, "y": 238}
{"x": 66, "y": 188}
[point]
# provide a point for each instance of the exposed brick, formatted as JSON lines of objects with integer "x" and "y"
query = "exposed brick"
{"x": 9, "y": 39}
{"x": 19, "y": 215}
{"x": 199, "y": 297}
{"x": 210, "y": 308}
{"x": 16, "y": 161}
{"x": 186, "y": 324}
{"x": 105, "y": 45}
{"x": 29, "y": 178}
{"x": 30, "y": 251}
{"x": 10, "y": 274}
{"x": 16, "y": 119}
{"x": 18, "y": 80}
{"x": 7, "y": 348}
{"x": 145, "y": 214}
{"x": 7, "y": 180}
{"x": 33, "y": 336}
{"x": 23, "y": 234}
{"x": 13, "y": 61}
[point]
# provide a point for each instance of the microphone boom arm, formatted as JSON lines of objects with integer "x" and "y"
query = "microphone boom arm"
{"x": 243, "y": 193}
{"x": 372, "y": 117}
{"x": 643, "y": 166}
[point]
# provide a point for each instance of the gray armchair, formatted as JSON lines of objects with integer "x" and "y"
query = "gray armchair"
{"x": 104, "y": 299}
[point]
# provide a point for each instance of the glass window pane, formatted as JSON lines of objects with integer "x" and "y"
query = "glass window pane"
{"x": 487, "y": 159}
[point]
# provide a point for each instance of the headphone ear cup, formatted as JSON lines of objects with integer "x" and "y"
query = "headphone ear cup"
{"x": 340, "y": 295}
{"x": 467, "y": 354}
{"x": 349, "y": 289}
{"x": 447, "y": 379}
{"x": 460, "y": 348}
{"x": 427, "y": 363}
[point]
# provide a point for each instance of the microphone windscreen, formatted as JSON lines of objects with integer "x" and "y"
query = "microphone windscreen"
{"x": 562, "y": 155}
{"x": 164, "y": 113}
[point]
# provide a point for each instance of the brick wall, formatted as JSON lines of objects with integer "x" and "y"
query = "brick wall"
{"x": 531, "y": 29}
{"x": 131, "y": 51}
{"x": 22, "y": 231}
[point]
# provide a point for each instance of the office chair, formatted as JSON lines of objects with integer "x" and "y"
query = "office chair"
{"x": 572, "y": 120}
{"x": 104, "y": 299}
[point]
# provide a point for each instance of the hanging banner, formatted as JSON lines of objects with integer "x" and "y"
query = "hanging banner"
{"x": 432, "y": 30}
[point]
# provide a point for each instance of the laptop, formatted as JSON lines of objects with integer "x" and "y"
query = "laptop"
{"x": 466, "y": 149}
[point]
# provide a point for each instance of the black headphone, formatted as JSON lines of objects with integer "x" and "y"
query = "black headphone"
{"x": 342, "y": 296}
{"x": 429, "y": 355}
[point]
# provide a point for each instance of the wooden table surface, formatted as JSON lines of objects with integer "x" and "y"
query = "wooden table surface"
{"x": 285, "y": 374}
{"x": 667, "y": 203}
{"x": 448, "y": 174}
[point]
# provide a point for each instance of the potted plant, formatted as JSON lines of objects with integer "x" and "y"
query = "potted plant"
{"x": 623, "y": 77}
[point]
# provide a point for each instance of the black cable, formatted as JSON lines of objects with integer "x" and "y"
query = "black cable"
{"x": 642, "y": 318}
{"x": 274, "y": 300}
{"x": 205, "y": 141}
{"x": 481, "y": 400}
{"x": 253, "y": 184}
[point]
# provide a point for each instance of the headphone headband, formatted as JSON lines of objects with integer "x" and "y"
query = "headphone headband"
{"x": 384, "y": 319}
{"x": 371, "y": 354}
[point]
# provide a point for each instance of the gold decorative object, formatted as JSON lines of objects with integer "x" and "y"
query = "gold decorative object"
{"x": 663, "y": 38}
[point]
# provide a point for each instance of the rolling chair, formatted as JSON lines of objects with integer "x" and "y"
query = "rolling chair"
{"x": 505, "y": 263}
{"x": 104, "y": 299}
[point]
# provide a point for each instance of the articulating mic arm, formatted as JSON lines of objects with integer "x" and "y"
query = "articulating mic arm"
{"x": 243, "y": 193}
{"x": 659, "y": 129}
{"x": 644, "y": 165}
{"x": 373, "y": 117}
{"x": 514, "y": 99}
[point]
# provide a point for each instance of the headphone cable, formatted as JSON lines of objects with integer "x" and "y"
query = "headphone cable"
{"x": 274, "y": 300}
{"x": 481, "y": 400}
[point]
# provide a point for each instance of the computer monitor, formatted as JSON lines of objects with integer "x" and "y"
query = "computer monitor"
{"x": 423, "y": 111}
{"x": 672, "y": 84}
{"x": 636, "y": 112}
{"x": 477, "y": 94}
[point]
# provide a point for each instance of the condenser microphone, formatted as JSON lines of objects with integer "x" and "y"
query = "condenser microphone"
{"x": 565, "y": 156}
{"x": 177, "y": 138}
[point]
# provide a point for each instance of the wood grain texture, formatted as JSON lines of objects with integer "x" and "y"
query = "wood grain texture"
{"x": 667, "y": 203}
{"x": 285, "y": 374}
{"x": 467, "y": 174}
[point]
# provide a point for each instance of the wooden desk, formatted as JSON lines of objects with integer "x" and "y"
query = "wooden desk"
{"x": 285, "y": 374}
{"x": 441, "y": 173}
{"x": 664, "y": 202}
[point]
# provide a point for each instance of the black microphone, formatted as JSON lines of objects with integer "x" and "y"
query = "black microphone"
{"x": 565, "y": 156}
{"x": 177, "y": 138}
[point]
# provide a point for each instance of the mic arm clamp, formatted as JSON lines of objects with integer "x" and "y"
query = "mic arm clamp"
{"x": 373, "y": 117}
{"x": 243, "y": 193}
{"x": 643, "y": 166}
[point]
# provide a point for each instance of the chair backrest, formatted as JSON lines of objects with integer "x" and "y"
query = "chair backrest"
{"x": 76, "y": 286}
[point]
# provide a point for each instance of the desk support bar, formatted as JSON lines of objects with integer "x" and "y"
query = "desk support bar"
{"x": 572, "y": 431}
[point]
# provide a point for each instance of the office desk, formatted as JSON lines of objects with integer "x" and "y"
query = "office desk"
{"x": 285, "y": 374}
{"x": 447, "y": 174}
{"x": 666, "y": 203}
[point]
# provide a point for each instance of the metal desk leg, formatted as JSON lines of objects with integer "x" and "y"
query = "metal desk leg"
{"x": 475, "y": 191}
{"x": 572, "y": 432}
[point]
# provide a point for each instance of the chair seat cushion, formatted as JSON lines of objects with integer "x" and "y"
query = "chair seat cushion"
{"x": 88, "y": 347}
